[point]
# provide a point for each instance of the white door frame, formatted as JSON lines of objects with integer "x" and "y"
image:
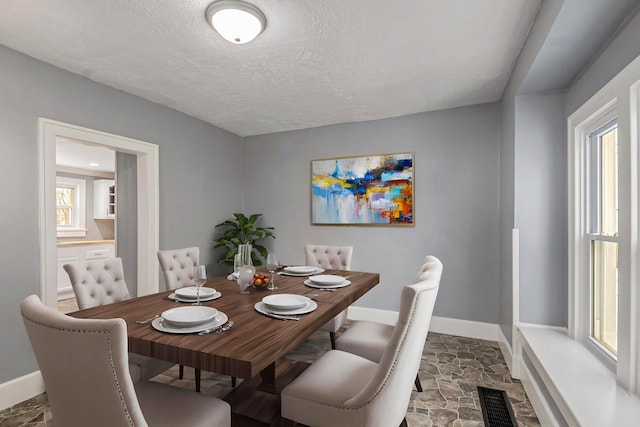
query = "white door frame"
{"x": 148, "y": 204}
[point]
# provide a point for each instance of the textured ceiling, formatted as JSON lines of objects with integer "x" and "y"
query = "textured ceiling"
{"x": 317, "y": 63}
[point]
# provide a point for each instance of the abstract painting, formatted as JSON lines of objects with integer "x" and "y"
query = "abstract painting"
{"x": 363, "y": 190}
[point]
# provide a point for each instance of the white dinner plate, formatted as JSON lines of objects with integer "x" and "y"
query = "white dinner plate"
{"x": 285, "y": 301}
{"x": 163, "y": 326}
{"x": 300, "y": 269}
{"x": 316, "y": 271}
{"x": 191, "y": 292}
{"x": 265, "y": 309}
{"x": 327, "y": 279}
{"x": 319, "y": 286}
{"x": 213, "y": 296}
{"x": 189, "y": 316}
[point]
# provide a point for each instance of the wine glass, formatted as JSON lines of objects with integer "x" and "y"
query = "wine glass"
{"x": 272, "y": 265}
{"x": 245, "y": 279}
{"x": 199, "y": 279}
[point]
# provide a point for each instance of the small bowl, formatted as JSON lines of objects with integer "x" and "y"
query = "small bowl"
{"x": 261, "y": 281}
{"x": 189, "y": 316}
{"x": 327, "y": 279}
{"x": 300, "y": 269}
{"x": 191, "y": 292}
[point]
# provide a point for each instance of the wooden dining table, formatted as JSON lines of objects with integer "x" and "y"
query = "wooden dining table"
{"x": 253, "y": 349}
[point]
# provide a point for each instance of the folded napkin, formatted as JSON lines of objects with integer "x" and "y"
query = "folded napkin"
{"x": 232, "y": 276}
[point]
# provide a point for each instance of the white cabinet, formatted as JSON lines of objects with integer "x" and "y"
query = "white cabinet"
{"x": 75, "y": 252}
{"x": 104, "y": 199}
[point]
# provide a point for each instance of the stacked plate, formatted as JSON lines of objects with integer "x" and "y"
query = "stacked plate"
{"x": 190, "y": 319}
{"x": 301, "y": 270}
{"x": 327, "y": 281}
{"x": 189, "y": 294}
{"x": 285, "y": 304}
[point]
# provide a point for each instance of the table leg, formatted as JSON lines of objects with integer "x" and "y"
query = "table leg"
{"x": 268, "y": 376}
{"x": 256, "y": 401}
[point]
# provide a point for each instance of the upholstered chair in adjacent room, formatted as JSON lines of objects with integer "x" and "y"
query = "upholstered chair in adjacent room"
{"x": 84, "y": 366}
{"x": 177, "y": 266}
{"x": 341, "y": 389}
{"x": 102, "y": 282}
{"x": 330, "y": 257}
{"x": 369, "y": 339}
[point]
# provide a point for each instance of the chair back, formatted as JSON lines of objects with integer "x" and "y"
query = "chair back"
{"x": 84, "y": 365}
{"x": 430, "y": 265}
{"x": 97, "y": 282}
{"x": 329, "y": 257}
{"x": 177, "y": 266}
{"x": 386, "y": 396}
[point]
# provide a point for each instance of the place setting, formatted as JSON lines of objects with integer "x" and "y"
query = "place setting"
{"x": 285, "y": 306}
{"x": 190, "y": 320}
{"x": 189, "y": 294}
{"x": 327, "y": 282}
{"x": 300, "y": 270}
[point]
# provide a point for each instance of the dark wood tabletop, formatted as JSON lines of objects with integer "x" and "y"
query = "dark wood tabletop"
{"x": 254, "y": 343}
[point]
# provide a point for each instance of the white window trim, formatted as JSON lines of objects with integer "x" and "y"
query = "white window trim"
{"x": 80, "y": 215}
{"x": 622, "y": 95}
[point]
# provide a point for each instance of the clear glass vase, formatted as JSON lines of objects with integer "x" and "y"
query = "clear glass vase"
{"x": 245, "y": 256}
{"x": 246, "y": 270}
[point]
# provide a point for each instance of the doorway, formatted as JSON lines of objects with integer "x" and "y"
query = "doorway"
{"x": 86, "y": 217}
{"x": 147, "y": 180}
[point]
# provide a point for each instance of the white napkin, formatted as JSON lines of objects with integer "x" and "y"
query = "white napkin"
{"x": 232, "y": 276}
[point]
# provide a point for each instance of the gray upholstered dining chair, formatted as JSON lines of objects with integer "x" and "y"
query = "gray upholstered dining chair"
{"x": 330, "y": 257}
{"x": 177, "y": 266}
{"x": 84, "y": 366}
{"x": 369, "y": 339}
{"x": 341, "y": 389}
{"x": 102, "y": 282}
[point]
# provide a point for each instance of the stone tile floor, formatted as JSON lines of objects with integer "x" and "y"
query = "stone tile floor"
{"x": 451, "y": 369}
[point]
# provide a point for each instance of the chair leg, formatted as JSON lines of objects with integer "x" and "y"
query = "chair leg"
{"x": 418, "y": 385}
{"x": 197, "y": 380}
{"x": 404, "y": 423}
{"x": 181, "y": 375}
{"x": 233, "y": 382}
{"x": 332, "y": 336}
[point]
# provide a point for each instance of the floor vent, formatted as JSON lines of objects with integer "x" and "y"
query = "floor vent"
{"x": 496, "y": 409}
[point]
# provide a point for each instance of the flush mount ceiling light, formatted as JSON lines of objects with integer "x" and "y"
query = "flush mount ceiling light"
{"x": 236, "y": 21}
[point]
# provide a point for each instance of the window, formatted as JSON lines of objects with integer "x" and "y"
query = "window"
{"x": 604, "y": 225}
{"x": 602, "y": 233}
{"x": 70, "y": 207}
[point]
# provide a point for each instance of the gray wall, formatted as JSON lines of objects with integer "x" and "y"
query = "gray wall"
{"x": 198, "y": 165}
{"x": 507, "y": 176}
{"x": 536, "y": 38}
{"x": 540, "y": 206}
{"x": 456, "y": 203}
{"x": 534, "y": 167}
{"x": 623, "y": 49}
{"x": 127, "y": 217}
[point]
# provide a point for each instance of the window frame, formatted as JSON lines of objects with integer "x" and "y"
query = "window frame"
{"x": 78, "y": 227}
{"x": 619, "y": 97}
{"x": 598, "y": 127}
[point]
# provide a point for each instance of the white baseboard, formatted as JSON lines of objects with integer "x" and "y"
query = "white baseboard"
{"x": 539, "y": 403}
{"x": 20, "y": 389}
{"x": 464, "y": 328}
{"x": 505, "y": 347}
{"x": 441, "y": 325}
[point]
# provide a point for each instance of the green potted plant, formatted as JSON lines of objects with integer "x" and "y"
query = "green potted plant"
{"x": 240, "y": 231}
